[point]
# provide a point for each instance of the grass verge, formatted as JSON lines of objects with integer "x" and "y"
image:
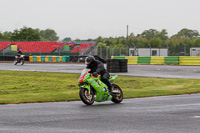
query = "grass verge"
{"x": 26, "y": 87}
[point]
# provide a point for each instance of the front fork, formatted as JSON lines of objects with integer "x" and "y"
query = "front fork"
{"x": 89, "y": 90}
{"x": 88, "y": 87}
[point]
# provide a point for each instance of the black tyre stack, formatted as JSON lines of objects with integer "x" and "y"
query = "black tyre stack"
{"x": 117, "y": 65}
{"x": 123, "y": 65}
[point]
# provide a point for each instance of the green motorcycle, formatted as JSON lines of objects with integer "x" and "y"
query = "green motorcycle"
{"x": 93, "y": 89}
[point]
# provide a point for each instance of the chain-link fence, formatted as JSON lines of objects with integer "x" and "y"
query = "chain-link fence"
{"x": 103, "y": 52}
{"x": 107, "y": 52}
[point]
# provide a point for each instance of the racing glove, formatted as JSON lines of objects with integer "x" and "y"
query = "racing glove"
{"x": 95, "y": 74}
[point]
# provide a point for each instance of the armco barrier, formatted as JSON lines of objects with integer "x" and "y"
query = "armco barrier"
{"x": 38, "y": 58}
{"x": 157, "y": 60}
{"x": 31, "y": 58}
{"x": 65, "y": 58}
{"x": 42, "y": 58}
{"x": 144, "y": 60}
{"x": 34, "y": 58}
{"x": 50, "y": 58}
{"x": 184, "y": 60}
{"x": 118, "y": 57}
{"x": 46, "y": 58}
{"x": 132, "y": 59}
{"x": 59, "y": 58}
{"x": 172, "y": 60}
{"x": 54, "y": 58}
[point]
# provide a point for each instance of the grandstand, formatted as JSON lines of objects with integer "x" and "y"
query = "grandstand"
{"x": 48, "y": 47}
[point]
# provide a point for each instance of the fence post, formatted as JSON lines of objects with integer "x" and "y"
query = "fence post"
{"x": 106, "y": 52}
{"x": 101, "y": 52}
{"x": 119, "y": 51}
{"x": 127, "y": 51}
{"x": 167, "y": 49}
{"x": 112, "y": 51}
{"x": 150, "y": 48}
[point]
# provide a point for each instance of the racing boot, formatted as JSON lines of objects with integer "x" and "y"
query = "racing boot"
{"x": 112, "y": 91}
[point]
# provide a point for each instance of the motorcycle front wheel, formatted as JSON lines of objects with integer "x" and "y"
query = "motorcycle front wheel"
{"x": 117, "y": 98}
{"x": 86, "y": 98}
{"x": 15, "y": 62}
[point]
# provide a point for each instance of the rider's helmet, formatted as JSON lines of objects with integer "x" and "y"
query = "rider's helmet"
{"x": 89, "y": 60}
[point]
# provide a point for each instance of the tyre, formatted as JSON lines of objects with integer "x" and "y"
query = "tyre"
{"x": 108, "y": 67}
{"x": 114, "y": 70}
{"x": 123, "y": 70}
{"x": 123, "y": 67}
{"x": 123, "y": 64}
{"x": 117, "y": 98}
{"x": 123, "y": 61}
{"x": 114, "y": 60}
{"x": 22, "y": 62}
{"x": 87, "y": 99}
{"x": 15, "y": 62}
{"x": 114, "y": 63}
{"x": 114, "y": 67}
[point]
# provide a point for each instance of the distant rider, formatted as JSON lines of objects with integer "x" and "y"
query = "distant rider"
{"x": 19, "y": 52}
{"x": 97, "y": 67}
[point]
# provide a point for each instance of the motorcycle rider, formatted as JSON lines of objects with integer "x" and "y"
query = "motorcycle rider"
{"x": 97, "y": 67}
{"x": 19, "y": 53}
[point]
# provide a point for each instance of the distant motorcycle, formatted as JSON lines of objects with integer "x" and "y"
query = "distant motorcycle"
{"x": 99, "y": 91}
{"x": 19, "y": 59}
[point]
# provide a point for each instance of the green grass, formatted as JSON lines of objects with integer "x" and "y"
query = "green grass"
{"x": 25, "y": 87}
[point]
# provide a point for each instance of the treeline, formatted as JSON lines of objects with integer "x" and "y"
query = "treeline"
{"x": 157, "y": 39}
{"x": 30, "y": 34}
{"x": 152, "y": 37}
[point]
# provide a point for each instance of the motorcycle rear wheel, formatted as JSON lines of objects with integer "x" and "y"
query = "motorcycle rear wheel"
{"x": 117, "y": 98}
{"x": 87, "y": 99}
{"x": 22, "y": 62}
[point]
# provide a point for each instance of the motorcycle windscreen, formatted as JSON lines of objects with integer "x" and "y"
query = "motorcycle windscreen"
{"x": 83, "y": 74}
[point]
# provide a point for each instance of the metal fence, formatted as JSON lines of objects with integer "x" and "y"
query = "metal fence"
{"x": 107, "y": 52}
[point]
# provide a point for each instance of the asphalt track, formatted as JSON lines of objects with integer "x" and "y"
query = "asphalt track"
{"x": 165, "y": 114}
{"x": 191, "y": 72}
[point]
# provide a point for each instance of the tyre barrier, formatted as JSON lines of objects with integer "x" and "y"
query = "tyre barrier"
{"x": 82, "y": 58}
{"x": 49, "y": 58}
{"x": 117, "y": 65}
{"x": 11, "y": 58}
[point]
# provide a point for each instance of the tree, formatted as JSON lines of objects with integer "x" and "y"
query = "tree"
{"x": 49, "y": 35}
{"x": 188, "y": 33}
{"x": 149, "y": 33}
{"x": 142, "y": 42}
{"x": 7, "y": 35}
{"x": 132, "y": 34}
{"x": 99, "y": 39}
{"x": 2, "y": 37}
{"x": 155, "y": 42}
{"x": 25, "y": 34}
{"x": 196, "y": 42}
{"x": 163, "y": 35}
{"x": 67, "y": 39}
